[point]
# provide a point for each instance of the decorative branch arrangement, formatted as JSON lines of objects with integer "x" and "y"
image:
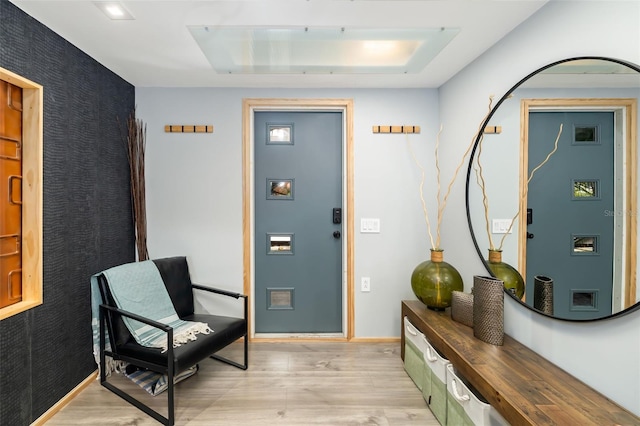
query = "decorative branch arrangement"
{"x": 442, "y": 202}
{"x": 136, "y": 141}
{"x": 485, "y": 200}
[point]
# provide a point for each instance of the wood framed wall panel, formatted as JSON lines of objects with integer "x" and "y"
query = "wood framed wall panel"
{"x": 31, "y": 188}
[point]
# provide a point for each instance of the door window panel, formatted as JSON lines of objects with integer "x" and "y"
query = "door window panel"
{"x": 280, "y": 298}
{"x": 586, "y": 134}
{"x": 585, "y": 244}
{"x": 586, "y": 189}
{"x": 279, "y": 134}
{"x": 279, "y": 243}
{"x": 280, "y": 189}
{"x": 584, "y": 300}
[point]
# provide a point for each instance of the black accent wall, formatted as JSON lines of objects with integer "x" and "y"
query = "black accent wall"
{"x": 87, "y": 227}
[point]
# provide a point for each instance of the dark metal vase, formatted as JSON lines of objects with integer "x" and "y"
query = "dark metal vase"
{"x": 462, "y": 307}
{"x": 488, "y": 309}
{"x": 543, "y": 294}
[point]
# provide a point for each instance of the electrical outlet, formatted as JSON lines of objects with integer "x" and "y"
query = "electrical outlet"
{"x": 365, "y": 284}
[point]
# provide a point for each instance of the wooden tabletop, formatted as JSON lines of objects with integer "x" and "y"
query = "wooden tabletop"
{"x": 522, "y": 385}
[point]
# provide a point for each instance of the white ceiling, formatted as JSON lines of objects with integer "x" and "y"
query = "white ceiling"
{"x": 156, "y": 49}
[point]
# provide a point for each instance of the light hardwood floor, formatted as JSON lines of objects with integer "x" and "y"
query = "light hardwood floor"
{"x": 297, "y": 383}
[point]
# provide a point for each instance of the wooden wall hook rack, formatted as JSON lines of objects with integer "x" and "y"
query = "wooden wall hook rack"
{"x": 396, "y": 129}
{"x": 188, "y": 128}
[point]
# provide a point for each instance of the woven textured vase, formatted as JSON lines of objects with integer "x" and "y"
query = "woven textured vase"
{"x": 462, "y": 307}
{"x": 543, "y": 294}
{"x": 488, "y": 309}
{"x": 432, "y": 281}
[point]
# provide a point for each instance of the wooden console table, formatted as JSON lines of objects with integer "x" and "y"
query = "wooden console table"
{"x": 523, "y": 386}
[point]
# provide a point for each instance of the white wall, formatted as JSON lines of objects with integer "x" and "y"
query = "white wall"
{"x": 194, "y": 188}
{"x": 603, "y": 354}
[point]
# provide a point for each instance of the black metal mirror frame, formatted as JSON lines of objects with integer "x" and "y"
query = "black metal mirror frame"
{"x": 470, "y": 168}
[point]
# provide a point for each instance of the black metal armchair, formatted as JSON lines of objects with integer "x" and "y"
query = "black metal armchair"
{"x": 123, "y": 347}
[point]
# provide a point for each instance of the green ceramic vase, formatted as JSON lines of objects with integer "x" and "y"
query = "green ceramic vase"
{"x": 432, "y": 281}
{"x": 513, "y": 281}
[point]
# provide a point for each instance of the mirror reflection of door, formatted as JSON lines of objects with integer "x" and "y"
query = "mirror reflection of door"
{"x": 571, "y": 230}
{"x": 575, "y": 84}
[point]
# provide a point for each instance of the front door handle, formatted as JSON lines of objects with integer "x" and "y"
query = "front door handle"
{"x": 336, "y": 235}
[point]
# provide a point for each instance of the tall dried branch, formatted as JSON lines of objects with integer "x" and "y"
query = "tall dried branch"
{"x": 525, "y": 191}
{"x": 485, "y": 199}
{"x": 441, "y": 202}
{"x": 136, "y": 135}
{"x": 479, "y": 173}
{"x": 422, "y": 179}
{"x": 442, "y": 205}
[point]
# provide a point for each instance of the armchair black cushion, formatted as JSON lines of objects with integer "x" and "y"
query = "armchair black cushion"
{"x": 177, "y": 280}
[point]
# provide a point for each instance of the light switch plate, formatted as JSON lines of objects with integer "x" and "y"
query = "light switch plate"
{"x": 501, "y": 226}
{"x": 369, "y": 225}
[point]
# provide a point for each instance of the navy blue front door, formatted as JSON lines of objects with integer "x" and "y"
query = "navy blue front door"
{"x": 298, "y": 226}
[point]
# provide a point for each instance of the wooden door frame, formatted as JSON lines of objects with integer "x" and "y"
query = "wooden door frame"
{"x": 629, "y": 107}
{"x": 249, "y": 107}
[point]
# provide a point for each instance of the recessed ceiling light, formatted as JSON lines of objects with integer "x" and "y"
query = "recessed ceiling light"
{"x": 114, "y": 10}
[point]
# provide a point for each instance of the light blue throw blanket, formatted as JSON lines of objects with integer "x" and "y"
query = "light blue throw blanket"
{"x": 138, "y": 288}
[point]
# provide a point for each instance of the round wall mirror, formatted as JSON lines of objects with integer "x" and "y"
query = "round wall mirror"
{"x": 552, "y": 189}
